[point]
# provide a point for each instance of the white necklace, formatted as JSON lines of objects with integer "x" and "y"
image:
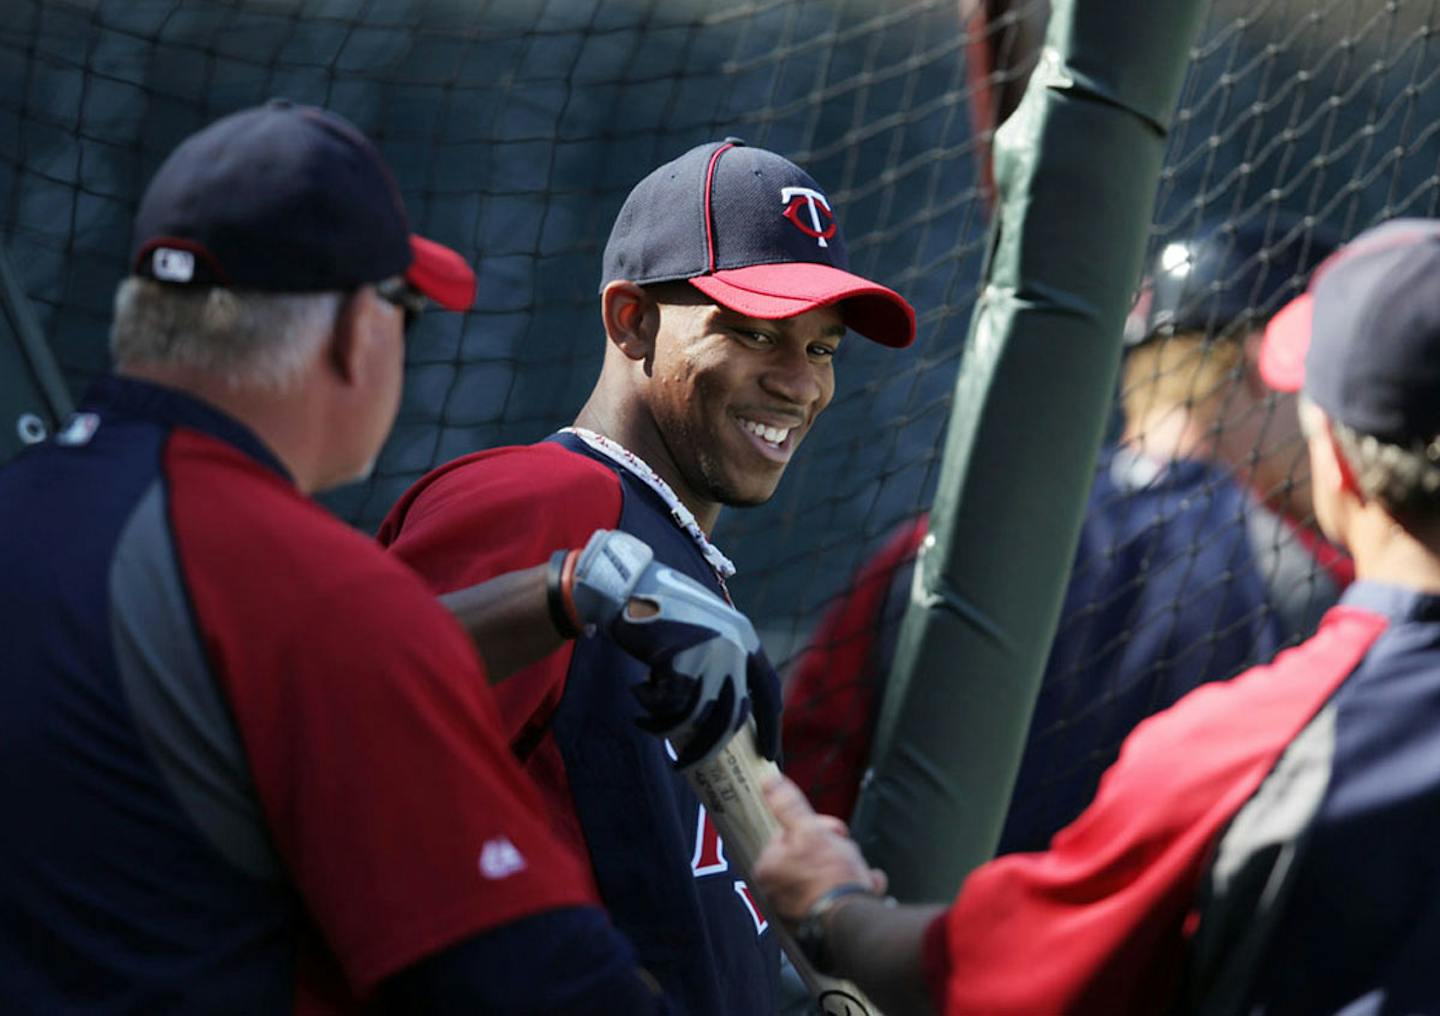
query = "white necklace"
{"x": 618, "y": 453}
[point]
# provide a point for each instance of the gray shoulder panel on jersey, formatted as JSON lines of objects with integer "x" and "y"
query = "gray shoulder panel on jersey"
{"x": 1250, "y": 877}
{"x": 179, "y": 710}
{"x": 1300, "y": 590}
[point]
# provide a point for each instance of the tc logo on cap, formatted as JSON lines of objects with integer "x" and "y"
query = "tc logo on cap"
{"x": 816, "y": 205}
{"x": 171, "y": 265}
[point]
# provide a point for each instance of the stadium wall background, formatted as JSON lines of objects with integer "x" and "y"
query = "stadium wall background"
{"x": 516, "y": 127}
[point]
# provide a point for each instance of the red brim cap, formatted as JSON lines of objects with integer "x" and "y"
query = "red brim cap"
{"x": 441, "y": 274}
{"x": 771, "y": 292}
{"x": 1287, "y": 339}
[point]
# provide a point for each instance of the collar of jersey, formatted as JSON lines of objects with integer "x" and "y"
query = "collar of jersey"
{"x": 131, "y": 397}
{"x": 1398, "y": 603}
{"x": 1133, "y": 471}
{"x": 622, "y": 456}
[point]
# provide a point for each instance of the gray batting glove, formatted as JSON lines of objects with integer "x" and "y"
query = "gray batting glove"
{"x": 707, "y": 670}
{"x": 606, "y": 574}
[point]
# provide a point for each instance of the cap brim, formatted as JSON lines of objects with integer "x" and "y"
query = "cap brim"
{"x": 441, "y": 274}
{"x": 771, "y": 292}
{"x": 1287, "y": 339}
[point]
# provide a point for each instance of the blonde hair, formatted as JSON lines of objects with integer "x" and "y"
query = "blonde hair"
{"x": 246, "y": 338}
{"x": 1180, "y": 371}
{"x": 1404, "y": 480}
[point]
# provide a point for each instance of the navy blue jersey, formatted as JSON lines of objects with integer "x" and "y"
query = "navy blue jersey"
{"x": 1169, "y": 590}
{"x": 1324, "y": 895}
{"x": 657, "y": 861}
{"x": 1264, "y": 846}
{"x": 1180, "y": 577}
{"x": 249, "y": 765}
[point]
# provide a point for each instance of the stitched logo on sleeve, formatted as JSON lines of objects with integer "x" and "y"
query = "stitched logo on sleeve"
{"x": 499, "y": 859}
{"x": 78, "y": 431}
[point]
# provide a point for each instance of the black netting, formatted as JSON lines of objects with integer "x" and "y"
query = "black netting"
{"x": 1299, "y": 125}
{"x": 517, "y": 127}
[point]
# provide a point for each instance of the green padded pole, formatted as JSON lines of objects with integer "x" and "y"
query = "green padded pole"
{"x": 1076, "y": 169}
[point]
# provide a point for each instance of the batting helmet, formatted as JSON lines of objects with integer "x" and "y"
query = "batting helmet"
{"x": 1227, "y": 279}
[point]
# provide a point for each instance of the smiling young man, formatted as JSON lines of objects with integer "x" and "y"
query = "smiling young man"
{"x": 722, "y": 399}
{"x": 724, "y": 296}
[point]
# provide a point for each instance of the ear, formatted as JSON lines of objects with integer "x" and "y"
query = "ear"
{"x": 632, "y": 319}
{"x": 1329, "y": 469}
{"x": 1254, "y": 384}
{"x": 347, "y": 337}
{"x": 1344, "y": 470}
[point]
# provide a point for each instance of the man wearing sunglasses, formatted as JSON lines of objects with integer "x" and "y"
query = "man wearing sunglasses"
{"x": 251, "y": 765}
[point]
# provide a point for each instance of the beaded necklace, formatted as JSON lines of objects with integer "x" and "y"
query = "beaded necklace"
{"x": 618, "y": 453}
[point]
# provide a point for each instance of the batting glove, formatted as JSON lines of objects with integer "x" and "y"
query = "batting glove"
{"x": 707, "y": 670}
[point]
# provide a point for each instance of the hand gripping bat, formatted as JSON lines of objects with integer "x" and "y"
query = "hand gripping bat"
{"x": 728, "y": 784}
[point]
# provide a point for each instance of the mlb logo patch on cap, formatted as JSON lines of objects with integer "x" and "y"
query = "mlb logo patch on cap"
{"x": 171, "y": 265}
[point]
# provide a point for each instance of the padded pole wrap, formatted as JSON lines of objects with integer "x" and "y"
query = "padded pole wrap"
{"x": 1076, "y": 168}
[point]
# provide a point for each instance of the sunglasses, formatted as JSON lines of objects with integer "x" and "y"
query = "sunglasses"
{"x": 411, "y": 301}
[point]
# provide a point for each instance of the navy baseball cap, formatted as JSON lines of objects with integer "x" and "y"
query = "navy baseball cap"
{"x": 1363, "y": 341}
{"x": 1227, "y": 279}
{"x": 289, "y": 199}
{"x": 753, "y": 232}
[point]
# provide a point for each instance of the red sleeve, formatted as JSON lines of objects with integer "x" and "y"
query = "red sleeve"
{"x": 407, "y": 823}
{"x": 374, "y": 747}
{"x": 830, "y": 699}
{"x": 501, "y": 511}
{"x": 1095, "y": 924}
{"x": 495, "y": 512}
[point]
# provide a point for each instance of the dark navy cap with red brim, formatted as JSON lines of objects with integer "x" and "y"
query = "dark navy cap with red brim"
{"x": 1363, "y": 342}
{"x": 754, "y": 233}
{"x": 289, "y": 199}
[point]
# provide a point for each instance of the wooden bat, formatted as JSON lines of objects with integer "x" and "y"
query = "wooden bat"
{"x": 729, "y": 787}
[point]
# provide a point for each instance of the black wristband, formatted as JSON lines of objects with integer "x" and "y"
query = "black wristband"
{"x": 555, "y": 595}
{"x": 810, "y": 932}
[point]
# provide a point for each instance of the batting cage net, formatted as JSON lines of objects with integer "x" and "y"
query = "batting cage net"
{"x": 516, "y": 128}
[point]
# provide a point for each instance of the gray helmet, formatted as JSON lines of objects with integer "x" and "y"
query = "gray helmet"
{"x": 1226, "y": 279}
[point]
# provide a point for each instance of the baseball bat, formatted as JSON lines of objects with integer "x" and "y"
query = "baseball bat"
{"x": 729, "y": 787}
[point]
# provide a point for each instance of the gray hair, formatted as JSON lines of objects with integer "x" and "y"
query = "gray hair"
{"x": 1405, "y": 480}
{"x": 246, "y": 338}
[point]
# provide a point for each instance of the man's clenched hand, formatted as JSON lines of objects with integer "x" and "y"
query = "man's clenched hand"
{"x": 707, "y": 670}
